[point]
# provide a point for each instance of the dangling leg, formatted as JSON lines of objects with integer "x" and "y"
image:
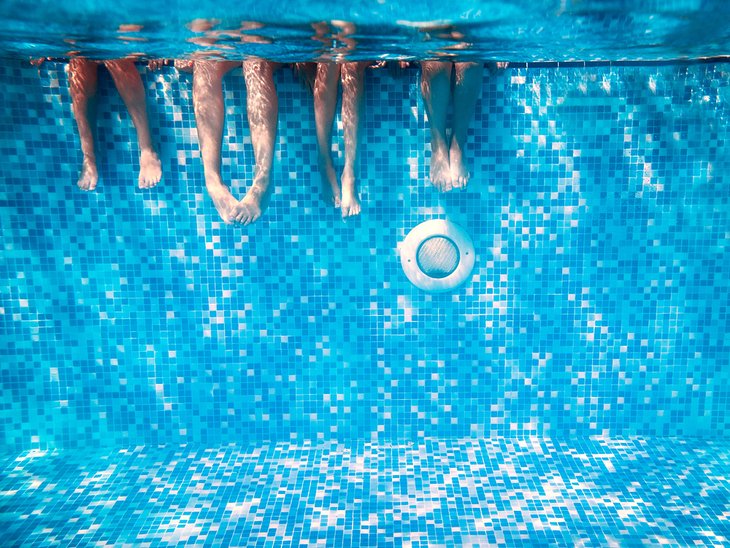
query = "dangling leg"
{"x": 262, "y": 106}
{"x": 353, "y": 80}
{"x": 209, "y": 114}
{"x": 466, "y": 93}
{"x": 83, "y": 84}
{"x": 130, "y": 87}
{"x": 436, "y": 91}
{"x": 325, "y": 102}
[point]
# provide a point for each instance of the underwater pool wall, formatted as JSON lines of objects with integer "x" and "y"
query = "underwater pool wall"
{"x": 599, "y": 303}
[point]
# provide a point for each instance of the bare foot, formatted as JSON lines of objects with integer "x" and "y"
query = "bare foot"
{"x": 330, "y": 190}
{"x": 89, "y": 175}
{"x": 350, "y": 203}
{"x": 440, "y": 173}
{"x": 459, "y": 173}
{"x": 150, "y": 169}
{"x": 222, "y": 199}
{"x": 254, "y": 203}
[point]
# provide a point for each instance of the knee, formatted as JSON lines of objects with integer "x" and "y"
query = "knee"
{"x": 431, "y": 69}
{"x": 353, "y": 71}
{"x": 122, "y": 69}
{"x": 259, "y": 69}
{"x": 206, "y": 78}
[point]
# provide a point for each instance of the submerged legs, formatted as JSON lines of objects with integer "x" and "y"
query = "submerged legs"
{"x": 83, "y": 87}
{"x": 326, "y": 84}
{"x": 262, "y": 108}
{"x": 436, "y": 91}
{"x": 448, "y": 169}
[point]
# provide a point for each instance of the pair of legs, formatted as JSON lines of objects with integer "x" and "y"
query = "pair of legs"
{"x": 262, "y": 109}
{"x": 326, "y": 84}
{"x": 83, "y": 86}
{"x": 448, "y": 168}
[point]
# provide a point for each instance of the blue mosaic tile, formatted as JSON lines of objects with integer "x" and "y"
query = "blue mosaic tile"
{"x": 497, "y": 492}
{"x": 598, "y": 304}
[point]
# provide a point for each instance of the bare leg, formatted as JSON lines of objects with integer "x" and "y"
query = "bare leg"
{"x": 436, "y": 91}
{"x": 325, "y": 102}
{"x": 262, "y": 106}
{"x": 466, "y": 93}
{"x": 129, "y": 85}
{"x": 83, "y": 85}
{"x": 353, "y": 79}
{"x": 209, "y": 113}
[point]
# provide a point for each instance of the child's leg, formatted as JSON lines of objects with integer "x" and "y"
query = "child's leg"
{"x": 83, "y": 85}
{"x": 262, "y": 106}
{"x": 436, "y": 91}
{"x": 129, "y": 85}
{"x": 468, "y": 85}
{"x": 325, "y": 102}
{"x": 353, "y": 80}
{"x": 209, "y": 115}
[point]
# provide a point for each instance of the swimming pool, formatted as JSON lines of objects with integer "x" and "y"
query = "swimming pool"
{"x": 167, "y": 378}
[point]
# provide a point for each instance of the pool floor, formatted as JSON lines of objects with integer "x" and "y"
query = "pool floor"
{"x": 588, "y": 492}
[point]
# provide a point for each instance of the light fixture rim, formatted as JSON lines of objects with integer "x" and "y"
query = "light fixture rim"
{"x": 430, "y": 229}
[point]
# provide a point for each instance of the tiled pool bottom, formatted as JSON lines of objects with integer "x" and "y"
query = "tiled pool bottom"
{"x": 438, "y": 492}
